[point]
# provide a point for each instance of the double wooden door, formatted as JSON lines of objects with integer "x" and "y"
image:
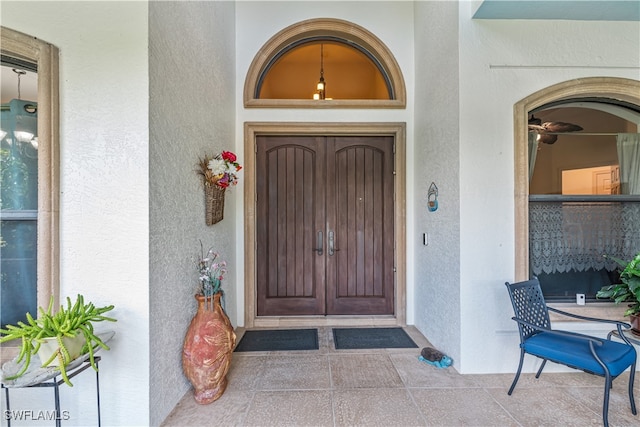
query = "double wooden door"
{"x": 325, "y": 225}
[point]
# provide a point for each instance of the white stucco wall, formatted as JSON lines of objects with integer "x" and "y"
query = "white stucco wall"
{"x": 437, "y": 147}
{"x": 104, "y": 192}
{"x": 191, "y": 73}
{"x": 502, "y": 62}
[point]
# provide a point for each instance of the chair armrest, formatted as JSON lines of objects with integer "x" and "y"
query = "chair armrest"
{"x": 596, "y": 340}
{"x": 590, "y": 319}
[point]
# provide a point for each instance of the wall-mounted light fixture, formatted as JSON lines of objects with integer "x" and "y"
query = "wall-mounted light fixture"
{"x": 432, "y": 198}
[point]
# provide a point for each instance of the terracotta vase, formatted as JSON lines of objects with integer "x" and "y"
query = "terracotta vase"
{"x": 207, "y": 350}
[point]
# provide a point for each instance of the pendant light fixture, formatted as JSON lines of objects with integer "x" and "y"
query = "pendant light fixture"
{"x": 21, "y": 135}
{"x": 19, "y": 120}
{"x": 321, "y": 87}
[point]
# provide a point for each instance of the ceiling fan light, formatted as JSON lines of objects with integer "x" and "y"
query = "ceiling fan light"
{"x": 546, "y": 138}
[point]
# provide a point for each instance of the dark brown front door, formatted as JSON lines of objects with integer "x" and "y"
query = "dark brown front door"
{"x": 325, "y": 231}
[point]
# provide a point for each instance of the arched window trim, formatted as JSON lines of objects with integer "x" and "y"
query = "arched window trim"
{"x": 625, "y": 90}
{"x": 323, "y": 29}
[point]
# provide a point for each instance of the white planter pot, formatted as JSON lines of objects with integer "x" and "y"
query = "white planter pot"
{"x": 50, "y": 345}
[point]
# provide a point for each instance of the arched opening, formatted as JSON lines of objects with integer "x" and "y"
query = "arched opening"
{"x": 320, "y": 300}
{"x": 285, "y": 71}
{"x": 614, "y": 99}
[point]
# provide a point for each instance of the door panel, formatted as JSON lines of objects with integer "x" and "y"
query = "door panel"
{"x": 325, "y": 228}
{"x": 290, "y": 208}
{"x": 360, "y": 277}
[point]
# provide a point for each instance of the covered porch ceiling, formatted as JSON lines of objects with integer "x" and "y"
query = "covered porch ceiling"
{"x": 573, "y": 10}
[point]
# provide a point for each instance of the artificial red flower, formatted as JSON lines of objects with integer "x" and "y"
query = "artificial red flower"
{"x": 229, "y": 156}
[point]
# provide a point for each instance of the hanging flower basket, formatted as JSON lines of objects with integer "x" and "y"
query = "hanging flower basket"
{"x": 214, "y": 203}
{"x": 218, "y": 173}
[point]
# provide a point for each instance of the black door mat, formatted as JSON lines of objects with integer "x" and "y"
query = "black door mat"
{"x": 279, "y": 340}
{"x": 367, "y": 338}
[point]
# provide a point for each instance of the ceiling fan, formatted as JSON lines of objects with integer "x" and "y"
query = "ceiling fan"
{"x": 547, "y": 131}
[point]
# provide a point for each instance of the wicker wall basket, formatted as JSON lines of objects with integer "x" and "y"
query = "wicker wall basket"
{"x": 214, "y": 203}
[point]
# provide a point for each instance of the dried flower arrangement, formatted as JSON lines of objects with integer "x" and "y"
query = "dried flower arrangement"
{"x": 220, "y": 170}
{"x": 211, "y": 272}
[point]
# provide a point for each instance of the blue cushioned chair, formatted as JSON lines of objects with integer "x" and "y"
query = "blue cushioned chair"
{"x": 594, "y": 355}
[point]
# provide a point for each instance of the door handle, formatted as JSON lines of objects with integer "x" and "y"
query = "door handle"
{"x": 320, "y": 241}
{"x": 332, "y": 244}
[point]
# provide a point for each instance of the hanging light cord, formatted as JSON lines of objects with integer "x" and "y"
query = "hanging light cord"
{"x": 322, "y": 60}
{"x": 322, "y": 92}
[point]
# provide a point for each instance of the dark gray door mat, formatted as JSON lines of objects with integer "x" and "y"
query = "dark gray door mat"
{"x": 279, "y": 340}
{"x": 367, "y": 338}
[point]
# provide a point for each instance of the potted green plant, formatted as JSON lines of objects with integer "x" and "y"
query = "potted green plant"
{"x": 627, "y": 291}
{"x": 58, "y": 338}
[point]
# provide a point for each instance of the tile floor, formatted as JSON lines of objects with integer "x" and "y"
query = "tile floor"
{"x": 391, "y": 387}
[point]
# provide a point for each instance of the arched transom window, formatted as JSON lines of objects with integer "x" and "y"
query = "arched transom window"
{"x": 324, "y": 63}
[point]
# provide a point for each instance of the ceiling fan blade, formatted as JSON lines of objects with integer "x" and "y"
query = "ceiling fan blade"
{"x": 560, "y": 127}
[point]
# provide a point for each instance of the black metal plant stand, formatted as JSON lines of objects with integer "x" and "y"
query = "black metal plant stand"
{"x": 55, "y": 382}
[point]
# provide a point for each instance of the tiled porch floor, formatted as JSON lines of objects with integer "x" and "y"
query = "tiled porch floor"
{"x": 329, "y": 387}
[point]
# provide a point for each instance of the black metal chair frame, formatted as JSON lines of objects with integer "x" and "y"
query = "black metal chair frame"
{"x": 543, "y": 324}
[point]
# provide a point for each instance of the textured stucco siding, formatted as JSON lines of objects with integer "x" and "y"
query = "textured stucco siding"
{"x": 191, "y": 60}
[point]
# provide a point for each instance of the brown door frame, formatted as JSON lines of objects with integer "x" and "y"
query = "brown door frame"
{"x": 251, "y": 130}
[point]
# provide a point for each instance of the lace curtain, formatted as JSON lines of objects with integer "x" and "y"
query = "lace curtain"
{"x": 575, "y": 235}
